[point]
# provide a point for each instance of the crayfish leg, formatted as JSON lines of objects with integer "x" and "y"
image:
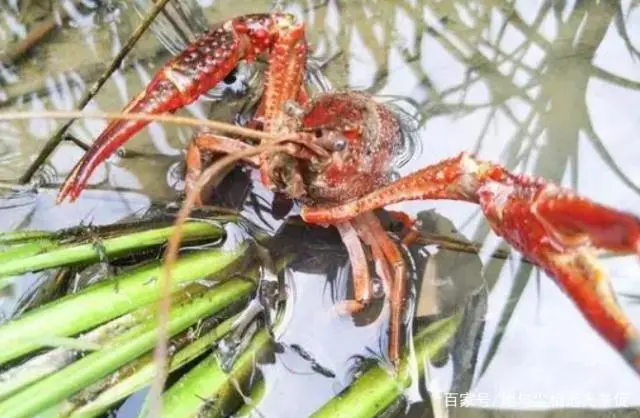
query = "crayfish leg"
{"x": 360, "y": 270}
{"x": 390, "y": 265}
{"x": 395, "y": 283}
{"x": 209, "y": 143}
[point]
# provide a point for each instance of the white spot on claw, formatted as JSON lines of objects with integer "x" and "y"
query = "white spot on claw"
{"x": 499, "y": 195}
{"x": 468, "y": 165}
{"x": 180, "y": 81}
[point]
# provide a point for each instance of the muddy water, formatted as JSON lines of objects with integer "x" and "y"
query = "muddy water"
{"x": 546, "y": 88}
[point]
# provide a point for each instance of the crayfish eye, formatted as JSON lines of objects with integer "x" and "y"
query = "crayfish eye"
{"x": 340, "y": 144}
{"x": 332, "y": 141}
{"x": 232, "y": 77}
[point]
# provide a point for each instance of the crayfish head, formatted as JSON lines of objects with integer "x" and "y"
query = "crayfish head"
{"x": 361, "y": 136}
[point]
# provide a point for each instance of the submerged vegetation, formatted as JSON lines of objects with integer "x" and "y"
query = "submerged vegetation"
{"x": 113, "y": 325}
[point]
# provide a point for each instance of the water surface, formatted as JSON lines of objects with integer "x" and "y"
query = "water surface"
{"x": 545, "y": 88}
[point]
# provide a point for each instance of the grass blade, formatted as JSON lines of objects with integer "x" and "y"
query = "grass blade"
{"x": 144, "y": 374}
{"x": 40, "y": 255}
{"x": 24, "y": 250}
{"x": 70, "y": 349}
{"x": 18, "y": 237}
{"x": 207, "y": 390}
{"x": 107, "y": 300}
{"x": 57, "y": 387}
{"x": 191, "y": 395}
{"x": 377, "y": 389}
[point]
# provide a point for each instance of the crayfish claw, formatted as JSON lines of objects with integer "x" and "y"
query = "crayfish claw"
{"x": 193, "y": 73}
{"x": 581, "y": 275}
{"x": 574, "y": 220}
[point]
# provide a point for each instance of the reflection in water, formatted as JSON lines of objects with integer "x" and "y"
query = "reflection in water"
{"x": 549, "y": 88}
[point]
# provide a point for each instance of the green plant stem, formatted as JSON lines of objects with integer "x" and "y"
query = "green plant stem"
{"x": 257, "y": 392}
{"x": 119, "y": 351}
{"x": 45, "y": 364}
{"x": 70, "y": 349}
{"x": 15, "y": 237}
{"x": 16, "y": 253}
{"x": 145, "y": 373}
{"x": 209, "y": 382}
{"x": 40, "y": 255}
{"x": 107, "y": 300}
{"x": 378, "y": 389}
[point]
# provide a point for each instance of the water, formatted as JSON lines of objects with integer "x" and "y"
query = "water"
{"x": 546, "y": 88}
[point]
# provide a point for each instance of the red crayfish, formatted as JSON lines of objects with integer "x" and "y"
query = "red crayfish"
{"x": 337, "y": 163}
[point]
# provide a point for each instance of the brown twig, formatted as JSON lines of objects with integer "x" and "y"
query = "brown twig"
{"x": 454, "y": 244}
{"x": 55, "y": 140}
{"x": 77, "y": 141}
{"x": 171, "y": 119}
{"x": 171, "y": 255}
{"x": 35, "y": 35}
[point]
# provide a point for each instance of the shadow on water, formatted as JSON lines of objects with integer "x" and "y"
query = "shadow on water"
{"x": 549, "y": 88}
